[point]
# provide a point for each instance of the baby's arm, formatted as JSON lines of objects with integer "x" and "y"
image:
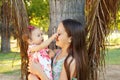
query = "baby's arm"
{"x": 44, "y": 44}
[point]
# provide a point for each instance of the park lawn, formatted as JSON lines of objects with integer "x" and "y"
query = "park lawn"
{"x": 113, "y": 56}
{"x": 10, "y": 63}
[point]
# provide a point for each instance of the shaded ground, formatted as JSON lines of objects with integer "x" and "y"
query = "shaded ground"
{"x": 112, "y": 73}
{"x": 9, "y": 77}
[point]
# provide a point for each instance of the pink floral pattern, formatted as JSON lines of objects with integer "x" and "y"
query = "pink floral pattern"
{"x": 43, "y": 58}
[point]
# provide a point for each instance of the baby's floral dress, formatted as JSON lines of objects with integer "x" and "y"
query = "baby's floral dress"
{"x": 43, "y": 58}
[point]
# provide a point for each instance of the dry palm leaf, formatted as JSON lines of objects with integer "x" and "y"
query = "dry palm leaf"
{"x": 99, "y": 15}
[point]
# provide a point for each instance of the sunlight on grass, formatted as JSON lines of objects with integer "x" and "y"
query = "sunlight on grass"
{"x": 14, "y": 46}
{"x": 10, "y": 63}
{"x": 114, "y": 38}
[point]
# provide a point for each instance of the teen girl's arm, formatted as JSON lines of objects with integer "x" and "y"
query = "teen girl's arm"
{"x": 63, "y": 75}
{"x": 32, "y": 77}
{"x": 44, "y": 44}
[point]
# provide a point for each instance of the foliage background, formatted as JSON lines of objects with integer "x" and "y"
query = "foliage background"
{"x": 38, "y": 12}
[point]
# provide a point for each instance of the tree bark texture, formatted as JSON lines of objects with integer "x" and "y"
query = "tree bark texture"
{"x": 5, "y": 28}
{"x": 20, "y": 21}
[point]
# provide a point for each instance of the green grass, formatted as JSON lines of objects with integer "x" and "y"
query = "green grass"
{"x": 10, "y": 63}
{"x": 113, "y": 56}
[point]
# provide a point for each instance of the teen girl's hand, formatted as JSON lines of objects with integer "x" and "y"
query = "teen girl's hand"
{"x": 34, "y": 67}
{"x": 32, "y": 77}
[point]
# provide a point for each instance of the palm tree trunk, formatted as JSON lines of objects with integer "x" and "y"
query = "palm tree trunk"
{"x": 20, "y": 18}
{"x": 5, "y": 39}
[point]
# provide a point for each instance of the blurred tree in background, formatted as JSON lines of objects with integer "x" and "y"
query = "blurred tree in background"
{"x": 38, "y": 12}
{"x": 5, "y": 26}
{"x": 118, "y": 19}
{"x": 14, "y": 14}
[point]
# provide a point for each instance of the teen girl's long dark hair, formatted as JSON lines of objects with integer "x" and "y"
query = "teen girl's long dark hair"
{"x": 27, "y": 35}
{"x": 77, "y": 49}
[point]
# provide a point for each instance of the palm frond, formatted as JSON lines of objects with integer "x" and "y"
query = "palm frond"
{"x": 99, "y": 14}
{"x": 20, "y": 23}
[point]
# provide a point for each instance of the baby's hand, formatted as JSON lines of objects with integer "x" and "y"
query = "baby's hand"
{"x": 54, "y": 36}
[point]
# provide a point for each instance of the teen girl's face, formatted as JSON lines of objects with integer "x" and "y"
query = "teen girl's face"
{"x": 36, "y": 36}
{"x": 63, "y": 40}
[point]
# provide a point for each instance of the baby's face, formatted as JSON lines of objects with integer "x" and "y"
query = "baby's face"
{"x": 36, "y": 36}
